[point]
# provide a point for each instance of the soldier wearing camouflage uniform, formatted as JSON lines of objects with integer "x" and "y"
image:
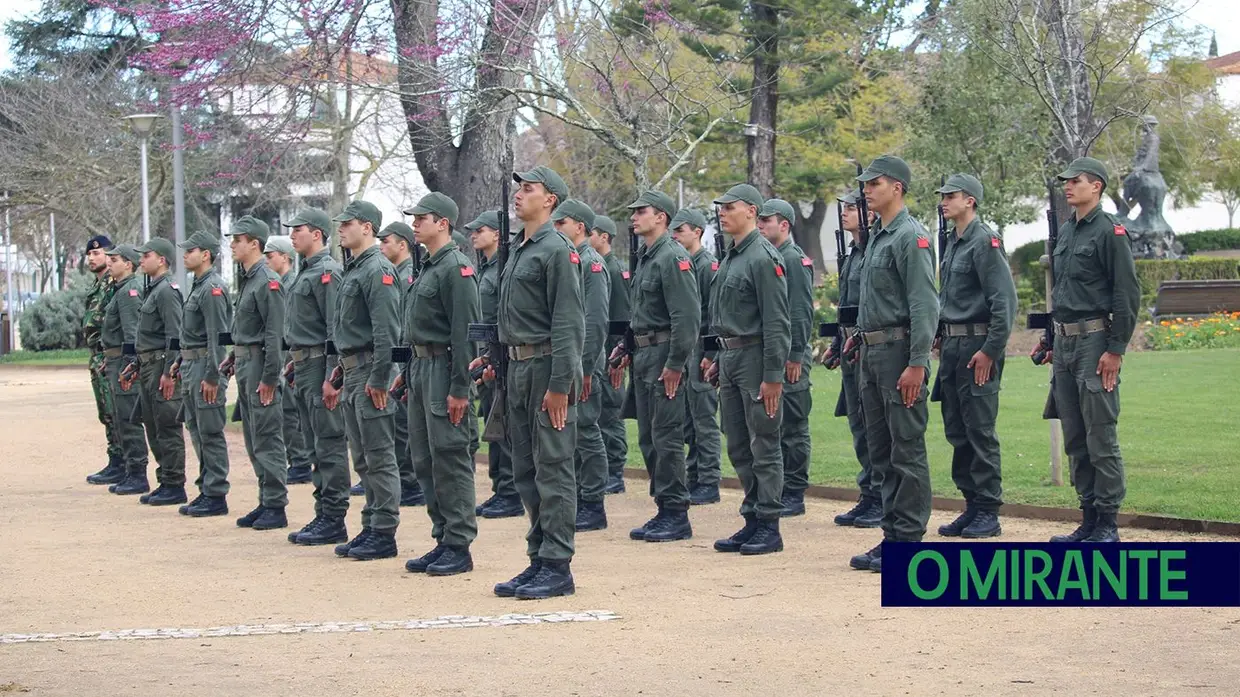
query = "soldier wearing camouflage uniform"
{"x": 97, "y": 300}
{"x": 615, "y": 436}
{"x": 280, "y": 255}
{"x": 397, "y": 244}
{"x": 117, "y": 338}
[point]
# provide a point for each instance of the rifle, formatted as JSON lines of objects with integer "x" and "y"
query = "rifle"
{"x": 849, "y": 314}
{"x": 710, "y": 342}
{"x": 936, "y": 392}
{"x": 1043, "y": 320}
{"x": 496, "y": 353}
{"x": 628, "y": 345}
{"x": 832, "y": 329}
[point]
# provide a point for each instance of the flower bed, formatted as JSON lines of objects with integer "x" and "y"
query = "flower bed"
{"x": 1220, "y": 330}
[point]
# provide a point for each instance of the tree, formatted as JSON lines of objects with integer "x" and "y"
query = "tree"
{"x": 1223, "y": 171}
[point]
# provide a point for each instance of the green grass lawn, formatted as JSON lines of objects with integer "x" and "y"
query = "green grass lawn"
{"x": 62, "y": 357}
{"x": 1178, "y": 412}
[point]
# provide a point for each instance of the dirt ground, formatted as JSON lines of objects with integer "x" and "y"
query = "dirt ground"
{"x": 690, "y": 622}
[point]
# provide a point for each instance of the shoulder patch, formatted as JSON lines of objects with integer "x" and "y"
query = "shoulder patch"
{"x": 574, "y": 257}
{"x": 1119, "y": 230}
{"x": 133, "y": 292}
{"x": 388, "y": 279}
{"x": 923, "y": 242}
{"x": 714, "y": 266}
{"x": 683, "y": 264}
{"x": 624, "y": 275}
{"x": 779, "y": 270}
{"x": 217, "y": 291}
{"x": 273, "y": 285}
{"x": 806, "y": 261}
{"x": 466, "y": 271}
{"x": 596, "y": 267}
{"x": 994, "y": 242}
{"x": 326, "y": 278}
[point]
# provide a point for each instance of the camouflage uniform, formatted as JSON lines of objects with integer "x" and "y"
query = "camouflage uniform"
{"x": 92, "y": 324}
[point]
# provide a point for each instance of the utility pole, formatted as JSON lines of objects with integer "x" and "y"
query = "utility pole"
{"x": 178, "y": 194}
{"x": 51, "y": 218}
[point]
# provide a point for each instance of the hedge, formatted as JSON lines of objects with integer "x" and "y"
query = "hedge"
{"x": 54, "y": 320}
{"x": 1210, "y": 240}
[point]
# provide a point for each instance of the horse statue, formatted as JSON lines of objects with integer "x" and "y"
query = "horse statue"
{"x": 1149, "y": 233}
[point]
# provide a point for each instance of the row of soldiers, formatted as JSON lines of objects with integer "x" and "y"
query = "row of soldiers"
{"x": 572, "y": 324}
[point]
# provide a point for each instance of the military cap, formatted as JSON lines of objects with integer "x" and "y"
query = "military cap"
{"x": 547, "y": 177}
{"x": 281, "y": 244}
{"x": 576, "y": 210}
{"x": 742, "y": 192}
{"x": 437, "y": 203}
{"x": 487, "y": 219}
{"x": 888, "y": 166}
{"x": 363, "y": 211}
{"x": 604, "y": 224}
{"x": 98, "y": 242}
{"x": 963, "y": 182}
{"x": 1085, "y": 165}
{"x": 690, "y": 216}
{"x": 312, "y": 217}
{"x": 126, "y": 252}
{"x": 252, "y": 227}
{"x": 161, "y": 247}
{"x": 657, "y": 200}
{"x": 400, "y": 230}
{"x": 851, "y": 198}
{"x": 780, "y": 207}
{"x": 202, "y": 239}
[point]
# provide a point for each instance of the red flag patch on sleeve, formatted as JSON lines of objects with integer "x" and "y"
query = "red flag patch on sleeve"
{"x": 596, "y": 267}
{"x": 466, "y": 271}
{"x": 217, "y": 291}
{"x": 273, "y": 285}
{"x": 326, "y": 278}
{"x": 625, "y": 275}
{"x": 574, "y": 257}
{"x": 994, "y": 242}
{"x": 806, "y": 261}
{"x": 779, "y": 270}
{"x": 1119, "y": 230}
{"x": 388, "y": 279}
{"x": 683, "y": 264}
{"x": 133, "y": 292}
{"x": 714, "y": 266}
{"x": 923, "y": 243}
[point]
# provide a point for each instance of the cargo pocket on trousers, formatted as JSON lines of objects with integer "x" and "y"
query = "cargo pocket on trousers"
{"x": 445, "y": 436}
{"x": 553, "y": 445}
{"x": 1099, "y": 407}
{"x": 984, "y": 404}
{"x": 762, "y": 424}
{"x": 328, "y": 423}
{"x": 906, "y": 423}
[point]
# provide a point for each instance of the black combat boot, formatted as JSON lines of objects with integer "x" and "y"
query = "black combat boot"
{"x": 740, "y": 537}
{"x": 1089, "y": 519}
{"x": 420, "y": 565}
{"x": 985, "y": 524}
{"x": 330, "y": 530}
{"x": 675, "y": 526}
{"x": 554, "y": 579}
{"x": 308, "y": 527}
{"x": 871, "y": 517}
{"x": 453, "y": 561}
{"x": 615, "y": 485}
{"x": 270, "y": 519}
{"x": 111, "y": 474}
{"x": 591, "y": 515}
{"x": 184, "y": 510}
{"x": 342, "y": 550}
{"x": 380, "y": 545}
{"x": 766, "y": 539}
{"x": 508, "y": 589}
{"x": 357, "y": 490}
{"x": 1105, "y": 530}
{"x": 846, "y": 518}
{"x": 485, "y": 504}
{"x": 167, "y": 495}
{"x": 704, "y": 494}
{"x": 146, "y": 498}
{"x": 206, "y": 506}
{"x": 504, "y": 507}
{"x": 247, "y": 520}
{"x": 793, "y": 503}
{"x": 639, "y": 533}
{"x": 957, "y": 526}
{"x": 412, "y": 496}
{"x": 863, "y": 562}
{"x": 133, "y": 484}
{"x": 299, "y": 474}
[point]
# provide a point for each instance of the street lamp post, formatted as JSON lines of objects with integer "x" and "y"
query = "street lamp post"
{"x": 142, "y": 125}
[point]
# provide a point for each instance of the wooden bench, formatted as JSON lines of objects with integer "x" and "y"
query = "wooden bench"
{"x": 1196, "y": 298}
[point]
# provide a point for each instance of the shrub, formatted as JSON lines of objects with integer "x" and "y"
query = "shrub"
{"x": 1220, "y": 330}
{"x": 54, "y": 320}
{"x": 1210, "y": 240}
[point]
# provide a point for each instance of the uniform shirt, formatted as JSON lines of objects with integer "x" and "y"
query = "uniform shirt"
{"x": 800, "y": 274}
{"x": 439, "y": 307}
{"x": 207, "y": 314}
{"x": 540, "y": 301}
{"x": 488, "y": 288}
{"x": 665, "y": 297}
{"x": 850, "y": 273}
{"x": 704, "y": 268}
{"x": 749, "y": 297}
{"x": 368, "y": 318}
{"x": 120, "y": 320}
{"x": 258, "y": 319}
{"x": 897, "y": 285}
{"x": 101, "y": 292}
{"x": 596, "y": 299}
{"x": 160, "y": 321}
{"x": 976, "y": 285}
{"x": 405, "y": 273}
{"x": 311, "y": 304}
{"x": 619, "y": 311}
{"x": 1095, "y": 276}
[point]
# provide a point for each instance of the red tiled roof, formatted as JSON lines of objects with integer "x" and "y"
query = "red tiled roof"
{"x": 1227, "y": 65}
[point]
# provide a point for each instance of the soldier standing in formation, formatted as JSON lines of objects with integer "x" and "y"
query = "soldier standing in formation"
{"x": 117, "y": 339}
{"x": 749, "y": 314}
{"x": 977, "y": 300}
{"x": 704, "y": 460}
{"x": 396, "y": 241}
{"x": 438, "y": 310}
{"x": 1096, "y": 296}
{"x": 775, "y": 219}
{"x": 309, "y": 331}
{"x": 611, "y": 424}
{"x": 204, "y": 391}
{"x": 101, "y": 292}
{"x": 280, "y": 255}
{"x": 367, "y": 327}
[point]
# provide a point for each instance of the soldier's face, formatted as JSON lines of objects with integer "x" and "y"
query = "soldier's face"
{"x": 303, "y": 238}
{"x": 1079, "y": 190}
{"x": 194, "y": 259}
{"x": 686, "y": 236}
{"x": 96, "y": 260}
{"x": 118, "y": 266}
{"x": 851, "y": 219}
{"x": 350, "y": 233}
{"x": 645, "y": 219}
{"x": 484, "y": 238}
{"x": 880, "y": 193}
{"x": 427, "y": 229}
{"x": 390, "y": 248}
{"x": 737, "y": 217}
{"x": 570, "y": 228}
{"x": 244, "y": 249}
{"x": 278, "y": 261}
{"x": 768, "y": 225}
{"x": 599, "y": 241}
{"x": 150, "y": 263}
{"x": 532, "y": 199}
{"x": 955, "y": 204}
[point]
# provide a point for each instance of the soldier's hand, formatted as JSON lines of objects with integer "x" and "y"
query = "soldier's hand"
{"x": 479, "y": 361}
{"x": 671, "y": 382}
{"x": 556, "y": 406}
{"x": 167, "y": 386}
{"x": 936, "y": 346}
{"x": 617, "y": 377}
{"x": 228, "y": 365}
{"x": 587, "y": 381}
{"x": 209, "y": 391}
{"x": 457, "y": 406}
{"x": 378, "y": 397}
{"x": 1046, "y": 358}
{"x": 289, "y": 374}
{"x": 1108, "y": 368}
{"x": 849, "y": 347}
{"x": 712, "y": 374}
{"x": 266, "y": 394}
{"x": 397, "y": 384}
{"x": 792, "y": 371}
{"x": 771, "y": 393}
{"x": 174, "y": 370}
{"x": 704, "y": 366}
{"x": 983, "y": 368}
{"x": 331, "y": 395}
{"x": 910, "y": 383}
{"x": 488, "y": 374}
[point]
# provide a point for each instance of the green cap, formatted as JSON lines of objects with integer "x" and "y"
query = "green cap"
{"x": 547, "y": 177}
{"x": 1085, "y": 165}
{"x": 657, "y": 200}
{"x": 742, "y": 192}
{"x": 201, "y": 239}
{"x": 437, "y": 203}
{"x": 604, "y": 224}
{"x": 487, "y": 219}
{"x": 251, "y": 226}
{"x": 400, "y": 229}
{"x": 963, "y": 182}
{"x": 160, "y": 246}
{"x": 850, "y": 199}
{"x": 575, "y": 210}
{"x": 125, "y": 251}
{"x": 690, "y": 216}
{"x": 314, "y": 218}
{"x": 281, "y": 244}
{"x": 363, "y": 211}
{"x": 780, "y": 207}
{"x": 888, "y": 166}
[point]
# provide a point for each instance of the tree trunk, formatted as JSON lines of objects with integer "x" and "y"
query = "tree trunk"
{"x": 760, "y": 148}
{"x": 808, "y": 235}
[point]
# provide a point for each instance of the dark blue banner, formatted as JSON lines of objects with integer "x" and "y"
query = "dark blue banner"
{"x": 1033, "y": 574}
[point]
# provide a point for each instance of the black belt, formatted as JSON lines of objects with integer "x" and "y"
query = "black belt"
{"x": 736, "y": 342}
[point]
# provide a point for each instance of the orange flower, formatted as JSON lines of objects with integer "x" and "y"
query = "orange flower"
{"x": 1179, "y": 333}
{"x": 1164, "y": 323}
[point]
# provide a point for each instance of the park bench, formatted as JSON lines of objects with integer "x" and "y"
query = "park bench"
{"x": 1196, "y": 298}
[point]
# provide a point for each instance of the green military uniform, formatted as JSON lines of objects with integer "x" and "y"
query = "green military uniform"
{"x": 848, "y": 404}
{"x": 704, "y": 459}
{"x": 499, "y": 459}
{"x": 400, "y": 431}
{"x": 611, "y": 425}
{"x": 297, "y": 450}
{"x": 208, "y": 313}
{"x": 118, "y": 339}
{"x": 159, "y": 330}
{"x": 97, "y": 300}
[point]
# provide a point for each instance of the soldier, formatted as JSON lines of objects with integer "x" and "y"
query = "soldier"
{"x": 667, "y": 315}
{"x": 896, "y": 325}
{"x": 280, "y": 254}
{"x": 118, "y": 339}
{"x": 542, "y": 322}
{"x": 574, "y": 219}
{"x": 702, "y": 464}
{"x": 438, "y": 309}
{"x": 977, "y": 301}
{"x": 257, "y": 331}
{"x": 1096, "y": 297}
{"x": 159, "y": 341}
{"x": 504, "y": 502}
{"x": 868, "y": 513}
{"x": 310, "y": 330}
{"x": 749, "y": 314}
{"x": 367, "y": 327}
{"x": 615, "y": 436}
{"x": 397, "y": 243}
{"x": 775, "y": 219}
{"x": 204, "y": 391}
{"x": 97, "y": 300}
